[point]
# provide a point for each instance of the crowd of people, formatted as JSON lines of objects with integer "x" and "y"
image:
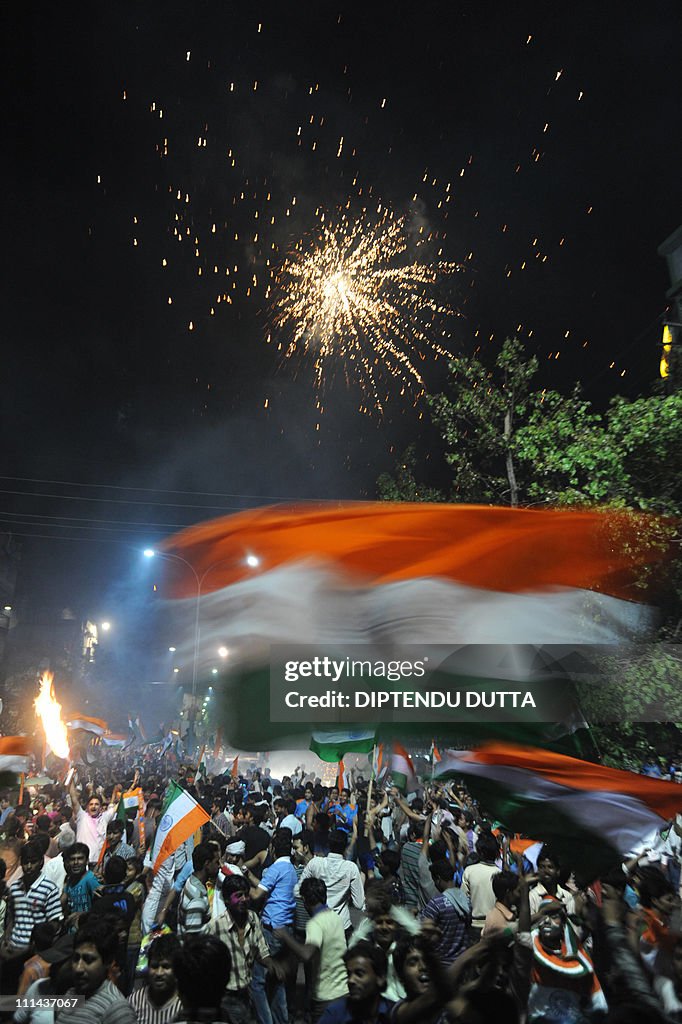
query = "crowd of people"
{"x": 302, "y": 902}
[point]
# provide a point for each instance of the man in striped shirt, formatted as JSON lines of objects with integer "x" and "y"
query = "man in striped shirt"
{"x": 194, "y": 911}
{"x": 449, "y": 913}
{"x": 32, "y": 900}
{"x": 241, "y": 931}
{"x": 158, "y": 1001}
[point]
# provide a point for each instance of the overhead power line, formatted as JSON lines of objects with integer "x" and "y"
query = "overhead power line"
{"x": 94, "y": 519}
{"x": 157, "y": 490}
{"x": 77, "y": 540}
{"x": 66, "y": 526}
{"x": 126, "y": 501}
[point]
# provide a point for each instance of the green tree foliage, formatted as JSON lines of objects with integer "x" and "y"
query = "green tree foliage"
{"x": 636, "y": 685}
{"x": 627, "y": 744}
{"x": 507, "y": 442}
{"x": 478, "y": 421}
{"x": 404, "y": 486}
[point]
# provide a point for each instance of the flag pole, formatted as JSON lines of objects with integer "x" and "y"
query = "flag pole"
{"x": 218, "y": 828}
{"x": 369, "y": 789}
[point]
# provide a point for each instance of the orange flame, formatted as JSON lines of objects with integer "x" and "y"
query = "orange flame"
{"x": 49, "y": 711}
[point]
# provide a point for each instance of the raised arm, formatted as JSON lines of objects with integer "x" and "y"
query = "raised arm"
{"x": 75, "y": 802}
{"x": 405, "y": 807}
{"x": 372, "y": 814}
{"x": 424, "y": 852}
{"x": 454, "y": 854}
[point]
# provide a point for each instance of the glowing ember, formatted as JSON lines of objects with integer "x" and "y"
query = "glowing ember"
{"x": 352, "y": 295}
{"x": 49, "y": 711}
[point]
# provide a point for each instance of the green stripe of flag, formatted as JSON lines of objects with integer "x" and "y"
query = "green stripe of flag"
{"x": 243, "y": 703}
{"x": 330, "y": 745}
{"x": 580, "y": 848}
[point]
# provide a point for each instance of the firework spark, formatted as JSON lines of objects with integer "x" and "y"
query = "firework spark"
{"x": 349, "y": 295}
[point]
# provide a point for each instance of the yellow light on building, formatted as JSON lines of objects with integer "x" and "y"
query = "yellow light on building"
{"x": 667, "y": 342}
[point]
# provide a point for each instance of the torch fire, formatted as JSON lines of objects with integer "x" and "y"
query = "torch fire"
{"x": 49, "y": 711}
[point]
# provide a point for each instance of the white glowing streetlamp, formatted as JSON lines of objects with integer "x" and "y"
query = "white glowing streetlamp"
{"x": 251, "y": 560}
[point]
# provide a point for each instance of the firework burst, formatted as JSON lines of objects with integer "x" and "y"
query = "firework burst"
{"x": 348, "y": 297}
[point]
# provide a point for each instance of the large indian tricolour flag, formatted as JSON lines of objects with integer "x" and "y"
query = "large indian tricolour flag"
{"x": 336, "y": 576}
{"x": 591, "y": 814}
{"x": 180, "y": 817}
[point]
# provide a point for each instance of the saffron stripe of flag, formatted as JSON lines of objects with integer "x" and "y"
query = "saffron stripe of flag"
{"x": 180, "y": 817}
{"x": 14, "y": 754}
{"x": 592, "y": 814}
{"x": 499, "y": 549}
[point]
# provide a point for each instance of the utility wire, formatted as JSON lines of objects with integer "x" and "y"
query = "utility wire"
{"x": 126, "y": 501}
{"x": 77, "y": 540}
{"x": 157, "y": 490}
{"x": 59, "y": 526}
{"x": 93, "y": 519}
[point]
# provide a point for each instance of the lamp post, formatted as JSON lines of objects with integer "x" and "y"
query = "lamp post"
{"x": 251, "y": 560}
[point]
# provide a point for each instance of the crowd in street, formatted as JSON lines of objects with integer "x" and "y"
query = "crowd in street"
{"x": 296, "y": 901}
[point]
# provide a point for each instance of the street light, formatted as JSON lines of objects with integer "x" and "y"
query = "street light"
{"x": 223, "y": 652}
{"x": 251, "y": 560}
{"x": 106, "y": 626}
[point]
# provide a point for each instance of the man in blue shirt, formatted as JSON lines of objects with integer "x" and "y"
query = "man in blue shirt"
{"x": 5, "y": 807}
{"x": 276, "y": 887}
{"x": 79, "y": 886}
{"x": 303, "y": 805}
{"x": 344, "y": 812}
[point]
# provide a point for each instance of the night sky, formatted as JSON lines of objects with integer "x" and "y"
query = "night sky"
{"x": 178, "y": 152}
